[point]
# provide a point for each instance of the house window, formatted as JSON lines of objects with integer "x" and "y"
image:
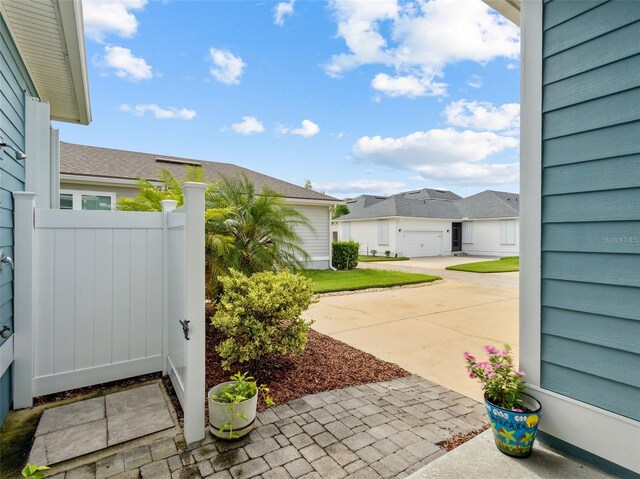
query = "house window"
{"x": 508, "y": 232}
{"x": 383, "y": 232}
{"x": 87, "y": 200}
{"x": 467, "y": 233}
{"x": 66, "y": 201}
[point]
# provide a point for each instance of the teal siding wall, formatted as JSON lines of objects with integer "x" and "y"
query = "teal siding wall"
{"x": 14, "y": 83}
{"x": 591, "y": 203}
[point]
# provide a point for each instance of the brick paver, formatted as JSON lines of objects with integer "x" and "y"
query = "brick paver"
{"x": 387, "y": 429}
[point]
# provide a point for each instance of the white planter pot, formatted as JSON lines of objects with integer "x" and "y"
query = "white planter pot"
{"x": 219, "y": 413}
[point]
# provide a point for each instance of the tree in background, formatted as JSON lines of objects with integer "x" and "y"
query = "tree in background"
{"x": 308, "y": 185}
{"x": 150, "y": 195}
{"x": 339, "y": 210}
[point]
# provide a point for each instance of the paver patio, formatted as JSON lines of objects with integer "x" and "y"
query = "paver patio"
{"x": 387, "y": 429}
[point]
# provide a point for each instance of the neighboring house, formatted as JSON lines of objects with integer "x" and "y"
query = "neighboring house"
{"x": 44, "y": 78}
{"x": 93, "y": 178}
{"x": 580, "y": 253}
{"x": 432, "y": 222}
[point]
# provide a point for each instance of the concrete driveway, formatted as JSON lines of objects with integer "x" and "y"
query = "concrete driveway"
{"x": 424, "y": 329}
{"x": 436, "y": 265}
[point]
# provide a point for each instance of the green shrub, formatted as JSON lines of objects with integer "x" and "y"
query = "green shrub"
{"x": 261, "y": 315}
{"x": 374, "y": 252}
{"x": 344, "y": 254}
{"x": 387, "y": 253}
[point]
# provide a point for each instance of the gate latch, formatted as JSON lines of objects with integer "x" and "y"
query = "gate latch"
{"x": 185, "y": 328}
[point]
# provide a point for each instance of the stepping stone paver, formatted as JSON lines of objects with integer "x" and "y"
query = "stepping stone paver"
{"x": 381, "y": 430}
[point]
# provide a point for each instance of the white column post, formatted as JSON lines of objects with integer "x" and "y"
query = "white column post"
{"x": 24, "y": 297}
{"x": 38, "y": 150}
{"x": 194, "y": 395}
{"x": 167, "y": 207}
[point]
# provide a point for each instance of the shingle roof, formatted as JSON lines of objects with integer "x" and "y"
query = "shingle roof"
{"x": 488, "y": 204}
{"x": 109, "y": 163}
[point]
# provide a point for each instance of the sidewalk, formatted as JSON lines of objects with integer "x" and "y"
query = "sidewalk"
{"x": 480, "y": 459}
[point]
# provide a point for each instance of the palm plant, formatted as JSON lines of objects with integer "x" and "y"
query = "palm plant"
{"x": 264, "y": 227}
{"x": 150, "y": 195}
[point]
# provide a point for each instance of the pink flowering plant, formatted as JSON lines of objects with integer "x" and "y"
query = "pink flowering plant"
{"x": 500, "y": 380}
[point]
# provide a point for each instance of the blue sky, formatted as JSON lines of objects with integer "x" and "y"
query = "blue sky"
{"x": 357, "y": 96}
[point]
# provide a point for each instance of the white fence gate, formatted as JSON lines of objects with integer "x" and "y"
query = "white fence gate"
{"x": 99, "y": 296}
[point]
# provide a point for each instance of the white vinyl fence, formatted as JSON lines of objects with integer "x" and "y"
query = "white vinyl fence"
{"x": 100, "y": 296}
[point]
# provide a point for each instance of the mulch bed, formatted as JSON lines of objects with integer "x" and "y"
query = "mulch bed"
{"x": 455, "y": 441}
{"x": 325, "y": 364}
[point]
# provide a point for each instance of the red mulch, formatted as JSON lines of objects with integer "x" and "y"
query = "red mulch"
{"x": 325, "y": 364}
{"x": 456, "y": 441}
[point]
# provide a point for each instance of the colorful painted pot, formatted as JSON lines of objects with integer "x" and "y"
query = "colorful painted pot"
{"x": 514, "y": 432}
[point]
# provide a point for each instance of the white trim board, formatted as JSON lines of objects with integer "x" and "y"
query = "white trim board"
{"x": 605, "y": 434}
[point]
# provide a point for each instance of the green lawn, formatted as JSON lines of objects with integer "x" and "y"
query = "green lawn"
{"x": 502, "y": 265}
{"x": 328, "y": 281}
{"x": 371, "y": 259}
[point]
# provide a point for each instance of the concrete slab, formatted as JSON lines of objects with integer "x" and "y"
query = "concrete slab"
{"x": 90, "y": 425}
{"x": 424, "y": 329}
{"x": 75, "y": 441}
{"x": 480, "y": 459}
{"x": 61, "y": 417}
{"x": 137, "y": 423}
{"x": 132, "y": 399}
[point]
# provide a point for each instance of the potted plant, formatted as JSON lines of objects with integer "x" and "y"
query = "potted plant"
{"x": 233, "y": 405}
{"x": 513, "y": 414}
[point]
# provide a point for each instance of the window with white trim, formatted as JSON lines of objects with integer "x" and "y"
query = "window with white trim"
{"x": 87, "y": 200}
{"x": 508, "y": 232}
{"x": 383, "y": 232}
{"x": 467, "y": 232}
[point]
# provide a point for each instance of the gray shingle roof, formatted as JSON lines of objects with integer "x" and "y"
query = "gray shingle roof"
{"x": 488, "y": 204}
{"x": 109, "y": 163}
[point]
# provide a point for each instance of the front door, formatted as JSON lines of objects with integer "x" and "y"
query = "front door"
{"x": 456, "y": 236}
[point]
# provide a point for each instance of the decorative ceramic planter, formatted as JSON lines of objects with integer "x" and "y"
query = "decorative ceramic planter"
{"x": 220, "y": 413}
{"x": 514, "y": 432}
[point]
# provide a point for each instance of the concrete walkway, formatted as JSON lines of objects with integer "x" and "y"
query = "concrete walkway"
{"x": 387, "y": 430}
{"x": 424, "y": 329}
{"x": 480, "y": 459}
{"x": 437, "y": 265}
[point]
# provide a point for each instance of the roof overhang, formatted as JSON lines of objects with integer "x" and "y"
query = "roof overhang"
{"x": 49, "y": 35}
{"x": 510, "y": 9}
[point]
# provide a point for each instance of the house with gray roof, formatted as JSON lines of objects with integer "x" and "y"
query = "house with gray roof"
{"x": 432, "y": 222}
{"x": 94, "y": 178}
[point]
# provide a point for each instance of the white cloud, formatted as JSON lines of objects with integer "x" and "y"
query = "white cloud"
{"x": 422, "y": 39}
{"x": 512, "y": 66}
{"x": 227, "y": 68}
{"x": 248, "y": 125}
{"x": 307, "y": 129}
{"x": 282, "y": 10}
{"x": 362, "y": 186}
{"x": 111, "y": 17}
{"x": 475, "y": 81}
{"x": 126, "y": 65}
{"x": 442, "y": 154}
{"x": 409, "y": 86}
{"x": 169, "y": 113}
{"x": 483, "y": 115}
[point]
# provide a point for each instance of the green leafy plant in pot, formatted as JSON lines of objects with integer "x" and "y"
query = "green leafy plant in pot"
{"x": 233, "y": 406}
{"x": 513, "y": 414}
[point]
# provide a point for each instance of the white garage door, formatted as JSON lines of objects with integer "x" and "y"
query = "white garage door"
{"x": 421, "y": 243}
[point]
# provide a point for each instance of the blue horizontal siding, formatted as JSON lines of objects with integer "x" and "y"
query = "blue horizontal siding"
{"x": 590, "y": 295}
{"x": 607, "y": 331}
{"x": 610, "y": 395}
{"x": 14, "y": 85}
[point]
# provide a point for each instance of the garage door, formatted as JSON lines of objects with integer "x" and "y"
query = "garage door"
{"x": 421, "y": 243}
